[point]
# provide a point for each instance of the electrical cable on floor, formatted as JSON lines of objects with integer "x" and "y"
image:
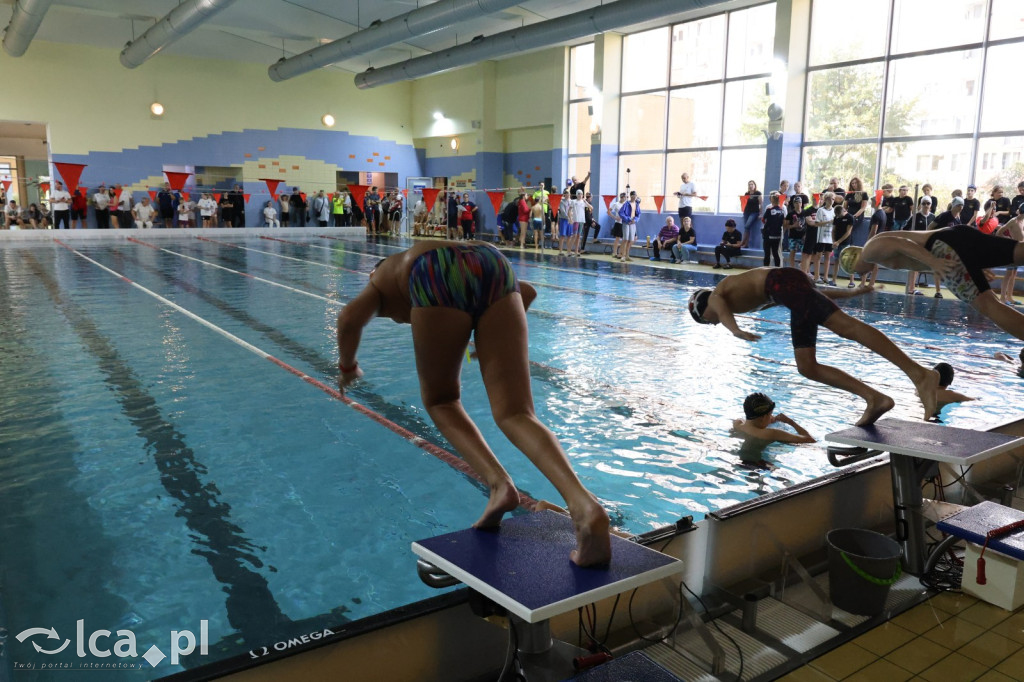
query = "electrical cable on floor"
{"x": 513, "y": 659}
{"x": 739, "y": 651}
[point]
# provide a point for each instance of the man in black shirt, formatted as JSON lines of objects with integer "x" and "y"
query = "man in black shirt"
{"x": 589, "y": 222}
{"x": 902, "y": 207}
{"x": 888, "y": 206}
{"x": 581, "y": 185}
{"x": 730, "y": 245}
{"x": 842, "y": 230}
{"x": 238, "y": 205}
{"x": 297, "y": 209}
{"x": 971, "y": 207}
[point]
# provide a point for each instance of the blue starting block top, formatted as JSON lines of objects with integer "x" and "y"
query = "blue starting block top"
{"x": 524, "y": 565}
{"x": 927, "y": 440}
{"x": 972, "y": 524}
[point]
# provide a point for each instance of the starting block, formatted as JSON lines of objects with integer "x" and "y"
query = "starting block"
{"x": 1003, "y": 584}
{"x": 524, "y": 567}
{"x": 913, "y": 449}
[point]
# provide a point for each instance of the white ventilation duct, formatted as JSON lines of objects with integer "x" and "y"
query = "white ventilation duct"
{"x": 412, "y": 24}
{"x": 25, "y": 20}
{"x": 552, "y": 32}
{"x": 179, "y": 22}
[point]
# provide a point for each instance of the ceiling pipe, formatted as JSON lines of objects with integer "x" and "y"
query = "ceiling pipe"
{"x": 25, "y": 20}
{"x": 380, "y": 34}
{"x": 179, "y": 22}
{"x": 589, "y": 22}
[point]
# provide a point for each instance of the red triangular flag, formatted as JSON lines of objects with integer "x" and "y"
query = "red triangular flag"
{"x": 185, "y": 196}
{"x": 430, "y": 196}
{"x": 246, "y": 196}
{"x": 85, "y": 191}
{"x": 44, "y": 187}
{"x": 405, "y": 193}
{"x": 71, "y": 172}
{"x": 703, "y": 198}
{"x": 358, "y": 193}
{"x": 272, "y": 186}
{"x": 176, "y": 180}
{"x": 817, "y": 198}
{"x": 554, "y": 200}
{"x": 607, "y": 201}
{"x": 659, "y": 199}
{"x": 878, "y": 197}
{"x": 152, "y": 195}
{"x": 303, "y": 195}
{"x": 330, "y": 197}
{"x": 743, "y": 202}
{"x": 6, "y": 184}
{"x": 216, "y": 197}
{"x": 782, "y": 200}
{"x": 496, "y": 199}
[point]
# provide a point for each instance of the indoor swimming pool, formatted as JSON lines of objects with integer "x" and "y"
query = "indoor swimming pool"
{"x": 171, "y": 451}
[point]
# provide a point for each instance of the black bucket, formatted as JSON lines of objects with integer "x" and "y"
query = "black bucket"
{"x": 862, "y": 566}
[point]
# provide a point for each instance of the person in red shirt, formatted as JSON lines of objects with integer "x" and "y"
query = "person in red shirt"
{"x": 523, "y": 216}
{"x": 79, "y": 207}
{"x": 467, "y": 217}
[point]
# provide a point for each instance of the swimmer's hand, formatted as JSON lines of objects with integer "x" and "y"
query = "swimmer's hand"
{"x": 346, "y": 378}
{"x": 746, "y": 336}
{"x": 780, "y": 418}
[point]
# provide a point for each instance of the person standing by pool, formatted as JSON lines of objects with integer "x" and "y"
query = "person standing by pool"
{"x": 751, "y": 211}
{"x": 448, "y": 292}
{"x": 809, "y": 308}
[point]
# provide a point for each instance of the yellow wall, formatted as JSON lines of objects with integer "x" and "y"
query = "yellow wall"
{"x": 103, "y": 106}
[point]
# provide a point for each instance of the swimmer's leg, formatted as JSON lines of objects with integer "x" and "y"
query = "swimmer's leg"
{"x": 878, "y": 403}
{"x": 1010, "y": 320}
{"x": 925, "y": 380}
{"x": 501, "y": 342}
{"x": 440, "y": 336}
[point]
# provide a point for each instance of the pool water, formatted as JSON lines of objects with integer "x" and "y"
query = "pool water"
{"x": 155, "y": 473}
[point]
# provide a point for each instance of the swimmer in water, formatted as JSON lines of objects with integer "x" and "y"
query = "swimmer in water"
{"x": 757, "y": 430}
{"x": 943, "y": 395}
{"x": 999, "y": 355}
{"x": 809, "y": 308}
{"x": 448, "y": 292}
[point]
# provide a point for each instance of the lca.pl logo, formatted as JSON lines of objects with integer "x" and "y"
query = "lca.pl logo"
{"x": 124, "y": 647}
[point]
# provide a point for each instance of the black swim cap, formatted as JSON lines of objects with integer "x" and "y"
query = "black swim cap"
{"x": 945, "y": 371}
{"x": 698, "y": 304}
{"x": 757, "y": 405}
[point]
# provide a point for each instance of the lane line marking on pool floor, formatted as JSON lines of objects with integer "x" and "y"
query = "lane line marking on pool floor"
{"x": 440, "y": 453}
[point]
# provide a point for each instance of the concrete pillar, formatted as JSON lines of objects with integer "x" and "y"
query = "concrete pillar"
{"x": 604, "y": 144}
{"x": 792, "y": 33}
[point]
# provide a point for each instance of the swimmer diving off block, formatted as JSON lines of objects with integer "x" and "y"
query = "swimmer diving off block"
{"x": 447, "y": 292}
{"x": 959, "y": 255}
{"x": 762, "y": 288}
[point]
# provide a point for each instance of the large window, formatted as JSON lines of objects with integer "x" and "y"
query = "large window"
{"x": 694, "y": 100}
{"x": 581, "y": 108}
{"x": 931, "y": 106}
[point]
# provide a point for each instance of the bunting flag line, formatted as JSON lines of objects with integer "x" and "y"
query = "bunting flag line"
{"x": 878, "y": 197}
{"x": 817, "y": 198}
{"x": 607, "y": 201}
{"x": 496, "y": 199}
{"x": 176, "y": 179}
{"x": 430, "y": 196}
{"x": 554, "y": 201}
{"x": 303, "y": 195}
{"x": 44, "y": 187}
{"x": 152, "y": 195}
{"x": 272, "y": 186}
{"x": 659, "y": 199}
{"x": 782, "y": 200}
{"x": 358, "y": 193}
{"x": 71, "y": 172}
{"x": 217, "y": 196}
{"x": 6, "y": 184}
{"x": 246, "y": 197}
{"x": 743, "y": 201}
{"x": 703, "y": 198}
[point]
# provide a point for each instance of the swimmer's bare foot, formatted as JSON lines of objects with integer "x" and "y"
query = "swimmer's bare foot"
{"x": 927, "y": 390}
{"x": 593, "y": 543}
{"x": 878, "y": 405}
{"x": 504, "y": 498}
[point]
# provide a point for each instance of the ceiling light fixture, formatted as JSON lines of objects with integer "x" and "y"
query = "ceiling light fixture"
{"x": 438, "y": 116}
{"x": 327, "y": 120}
{"x": 156, "y": 109}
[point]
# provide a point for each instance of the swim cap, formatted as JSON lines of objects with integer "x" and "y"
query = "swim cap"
{"x": 945, "y": 371}
{"x": 699, "y": 303}
{"x": 848, "y": 259}
{"x": 757, "y": 405}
